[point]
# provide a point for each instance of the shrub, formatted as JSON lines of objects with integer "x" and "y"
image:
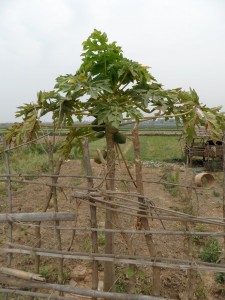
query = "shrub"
{"x": 211, "y": 251}
{"x": 220, "y": 277}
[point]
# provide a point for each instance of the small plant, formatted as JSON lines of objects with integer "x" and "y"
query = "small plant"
{"x": 121, "y": 284}
{"x": 188, "y": 209}
{"x": 216, "y": 193}
{"x": 211, "y": 251}
{"x": 173, "y": 181}
{"x": 101, "y": 239}
{"x": 87, "y": 245}
{"x": 220, "y": 277}
{"x": 197, "y": 239}
{"x": 144, "y": 285}
{"x": 45, "y": 272}
{"x": 66, "y": 276}
{"x": 201, "y": 292}
{"x": 3, "y": 189}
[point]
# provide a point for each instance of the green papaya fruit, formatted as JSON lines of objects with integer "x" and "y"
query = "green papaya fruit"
{"x": 97, "y": 128}
{"x": 100, "y": 134}
{"x": 112, "y": 129}
{"x": 119, "y": 138}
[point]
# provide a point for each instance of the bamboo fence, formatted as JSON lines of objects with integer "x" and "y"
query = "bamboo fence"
{"x": 130, "y": 204}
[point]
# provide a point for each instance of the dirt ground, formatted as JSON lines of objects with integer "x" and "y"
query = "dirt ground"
{"x": 179, "y": 197}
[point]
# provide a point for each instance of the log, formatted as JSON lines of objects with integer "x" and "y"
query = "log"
{"x": 37, "y": 217}
{"x": 21, "y": 274}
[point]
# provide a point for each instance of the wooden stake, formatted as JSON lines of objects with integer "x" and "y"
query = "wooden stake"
{"x": 93, "y": 214}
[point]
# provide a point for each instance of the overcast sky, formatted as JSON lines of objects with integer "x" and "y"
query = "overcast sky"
{"x": 183, "y": 41}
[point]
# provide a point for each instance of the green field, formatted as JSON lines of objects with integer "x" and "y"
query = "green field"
{"x": 156, "y": 148}
{"x": 33, "y": 159}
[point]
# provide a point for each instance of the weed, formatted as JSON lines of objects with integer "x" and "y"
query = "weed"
{"x": 45, "y": 272}
{"x": 3, "y": 188}
{"x": 66, "y": 276}
{"x": 76, "y": 181}
{"x": 216, "y": 194}
{"x": 197, "y": 239}
{"x": 220, "y": 277}
{"x": 101, "y": 239}
{"x": 28, "y": 163}
{"x": 122, "y": 284}
{"x": 173, "y": 180}
{"x": 143, "y": 285}
{"x": 87, "y": 245}
{"x": 211, "y": 251}
{"x": 188, "y": 209}
{"x": 201, "y": 292}
{"x": 52, "y": 274}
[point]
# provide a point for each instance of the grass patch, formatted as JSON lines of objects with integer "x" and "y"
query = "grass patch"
{"x": 34, "y": 160}
{"x": 29, "y": 160}
{"x": 173, "y": 179}
{"x": 212, "y": 251}
{"x": 152, "y": 148}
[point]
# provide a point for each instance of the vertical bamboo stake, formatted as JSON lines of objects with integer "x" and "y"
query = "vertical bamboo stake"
{"x": 93, "y": 215}
{"x": 224, "y": 186}
{"x": 10, "y": 228}
{"x": 9, "y": 191}
{"x": 109, "y": 268}
{"x": 55, "y": 202}
{"x": 38, "y": 229}
{"x": 143, "y": 221}
{"x": 191, "y": 273}
{"x": 127, "y": 240}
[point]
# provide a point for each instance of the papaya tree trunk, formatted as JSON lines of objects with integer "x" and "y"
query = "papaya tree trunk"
{"x": 109, "y": 269}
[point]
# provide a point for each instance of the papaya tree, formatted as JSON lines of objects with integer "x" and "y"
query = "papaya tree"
{"x": 110, "y": 87}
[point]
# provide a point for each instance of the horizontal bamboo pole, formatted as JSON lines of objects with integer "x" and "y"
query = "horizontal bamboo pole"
{"x": 21, "y": 274}
{"x": 161, "y": 182}
{"x": 185, "y": 218}
{"x": 163, "y": 259}
{"x": 134, "y": 231}
{"x": 147, "y": 206}
{"x": 167, "y": 263}
{"x": 33, "y": 294}
{"x": 37, "y": 217}
{"x": 80, "y": 291}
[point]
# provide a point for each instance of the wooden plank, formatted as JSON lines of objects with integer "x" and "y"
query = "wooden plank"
{"x": 37, "y": 217}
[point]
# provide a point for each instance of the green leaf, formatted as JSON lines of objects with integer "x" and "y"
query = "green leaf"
{"x": 129, "y": 272}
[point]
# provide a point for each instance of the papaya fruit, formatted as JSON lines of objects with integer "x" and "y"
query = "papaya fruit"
{"x": 100, "y": 134}
{"x": 119, "y": 138}
{"x": 112, "y": 129}
{"x": 97, "y": 128}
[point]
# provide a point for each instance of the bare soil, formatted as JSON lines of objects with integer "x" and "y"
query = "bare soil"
{"x": 31, "y": 197}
